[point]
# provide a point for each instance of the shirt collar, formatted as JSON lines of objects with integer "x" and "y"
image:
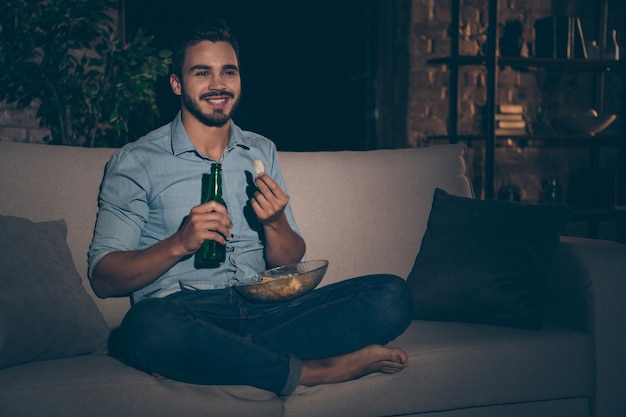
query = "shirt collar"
{"x": 181, "y": 143}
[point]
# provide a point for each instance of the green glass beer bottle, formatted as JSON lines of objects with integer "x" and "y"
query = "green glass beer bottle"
{"x": 211, "y": 253}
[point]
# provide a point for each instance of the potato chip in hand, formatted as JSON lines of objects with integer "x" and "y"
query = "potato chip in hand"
{"x": 258, "y": 166}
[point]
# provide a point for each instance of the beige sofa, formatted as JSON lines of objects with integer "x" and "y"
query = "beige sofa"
{"x": 365, "y": 212}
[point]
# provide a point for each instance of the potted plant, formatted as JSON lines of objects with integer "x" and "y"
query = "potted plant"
{"x": 93, "y": 89}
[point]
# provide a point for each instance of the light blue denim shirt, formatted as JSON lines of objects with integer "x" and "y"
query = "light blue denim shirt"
{"x": 150, "y": 186}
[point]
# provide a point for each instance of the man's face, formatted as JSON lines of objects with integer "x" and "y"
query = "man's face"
{"x": 211, "y": 86}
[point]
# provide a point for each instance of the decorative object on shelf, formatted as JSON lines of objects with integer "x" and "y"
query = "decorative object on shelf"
{"x": 552, "y": 191}
{"x": 589, "y": 123}
{"x": 559, "y": 37}
{"x": 511, "y": 42}
{"x": 593, "y": 50}
{"x": 612, "y": 47}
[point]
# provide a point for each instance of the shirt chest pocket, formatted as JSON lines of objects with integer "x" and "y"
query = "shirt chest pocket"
{"x": 238, "y": 188}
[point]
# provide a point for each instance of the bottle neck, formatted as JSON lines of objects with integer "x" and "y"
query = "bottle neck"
{"x": 215, "y": 186}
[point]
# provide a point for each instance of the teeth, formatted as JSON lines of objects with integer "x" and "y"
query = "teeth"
{"x": 218, "y": 101}
{"x": 258, "y": 166}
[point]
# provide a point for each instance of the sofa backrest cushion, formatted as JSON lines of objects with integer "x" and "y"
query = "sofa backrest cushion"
{"x": 364, "y": 211}
{"x": 45, "y": 312}
{"x": 486, "y": 261}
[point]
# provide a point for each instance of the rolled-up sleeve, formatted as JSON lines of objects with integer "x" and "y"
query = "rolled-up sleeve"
{"x": 122, "y": 208}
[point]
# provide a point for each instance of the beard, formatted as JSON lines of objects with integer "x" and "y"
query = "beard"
{"x": 217, "y": 118}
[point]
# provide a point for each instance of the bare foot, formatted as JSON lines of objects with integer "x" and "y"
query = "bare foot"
{"x": 374, "y": 358}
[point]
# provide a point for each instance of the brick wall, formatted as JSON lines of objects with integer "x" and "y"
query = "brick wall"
{"x": 20, "y": 125}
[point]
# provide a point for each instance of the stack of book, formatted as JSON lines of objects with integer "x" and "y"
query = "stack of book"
{"x": 510, "y": 120}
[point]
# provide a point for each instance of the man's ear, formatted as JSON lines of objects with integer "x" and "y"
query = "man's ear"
{"x": 175, "y": 84}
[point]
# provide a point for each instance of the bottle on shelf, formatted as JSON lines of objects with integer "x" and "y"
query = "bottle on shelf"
{"x": 552, "y": 191}
{"x": 211, "y": 253}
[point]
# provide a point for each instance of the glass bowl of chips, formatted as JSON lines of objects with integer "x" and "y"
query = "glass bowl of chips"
{"x": 285, "y": 282}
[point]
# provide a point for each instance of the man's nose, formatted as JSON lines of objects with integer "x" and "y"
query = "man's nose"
{"x": 216, "y": 83}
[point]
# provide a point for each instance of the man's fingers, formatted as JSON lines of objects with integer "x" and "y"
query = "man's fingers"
{"x": 266, "y": 184}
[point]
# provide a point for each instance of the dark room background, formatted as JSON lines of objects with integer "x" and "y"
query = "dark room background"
{"x": 308, "y": 70}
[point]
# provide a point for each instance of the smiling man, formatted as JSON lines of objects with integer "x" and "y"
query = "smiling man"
{"x": 188, "y": 323}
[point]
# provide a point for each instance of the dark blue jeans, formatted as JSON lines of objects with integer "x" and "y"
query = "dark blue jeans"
{"x": 217, "y": 337}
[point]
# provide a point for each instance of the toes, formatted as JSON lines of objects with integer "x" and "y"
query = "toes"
{"x": 390, "y": 370}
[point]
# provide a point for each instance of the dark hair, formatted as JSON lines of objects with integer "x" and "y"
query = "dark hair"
{"x": 214, "y": 30}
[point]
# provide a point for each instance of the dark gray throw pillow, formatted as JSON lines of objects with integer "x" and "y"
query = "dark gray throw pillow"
{"x": 485, "y": 261}
{"x": 45, "y": 312}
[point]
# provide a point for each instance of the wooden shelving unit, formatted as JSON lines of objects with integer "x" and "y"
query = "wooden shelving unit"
{"x": 493, "y": 64}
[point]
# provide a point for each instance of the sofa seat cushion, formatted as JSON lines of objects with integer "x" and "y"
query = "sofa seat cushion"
{"x": 462, "y": 365}
{"x": 98, "y": 385}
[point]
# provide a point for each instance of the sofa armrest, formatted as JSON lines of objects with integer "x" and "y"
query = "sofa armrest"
{"x": 587, "y": 291}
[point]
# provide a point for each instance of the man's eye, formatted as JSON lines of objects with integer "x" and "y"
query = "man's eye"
{"x": 230, "y": 73}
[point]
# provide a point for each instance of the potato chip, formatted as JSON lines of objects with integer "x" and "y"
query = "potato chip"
{"x": 258, "y": 166}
